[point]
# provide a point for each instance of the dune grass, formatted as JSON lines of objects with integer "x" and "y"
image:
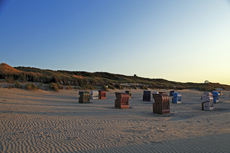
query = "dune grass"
{"x": 17, "y": 84}
{"x": 143, "y": 87}
{"x": 54, "y": 86}
{"x": 87, "y": 80}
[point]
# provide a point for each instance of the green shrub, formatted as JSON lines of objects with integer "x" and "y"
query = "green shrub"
{"x": 28, "y": 86}
{"x": 9, "y": 79}
{"x": 54, "y": 86}
{"x": 34, "y": 87}
{"x": 31, "y": 86}
{"x": 17, "y": 84}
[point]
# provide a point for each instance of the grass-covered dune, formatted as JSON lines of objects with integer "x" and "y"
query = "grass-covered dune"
{"x": 81, "y": 78}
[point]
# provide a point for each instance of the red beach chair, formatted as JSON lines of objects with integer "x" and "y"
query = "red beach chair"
{"x": 122, "y": 100}
{"x": 102, "y": 94}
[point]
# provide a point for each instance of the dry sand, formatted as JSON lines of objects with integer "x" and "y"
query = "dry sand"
{"x": 48, "y": 121}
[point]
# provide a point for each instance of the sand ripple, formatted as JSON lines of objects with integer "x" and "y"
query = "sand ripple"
{"x": 56, "y": 122}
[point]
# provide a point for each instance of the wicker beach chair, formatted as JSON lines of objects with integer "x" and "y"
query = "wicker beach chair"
{"x": 122, "y": 100}
{"x": 161, "y": 105}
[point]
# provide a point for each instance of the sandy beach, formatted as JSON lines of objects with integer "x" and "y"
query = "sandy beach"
{"x": 48, "y": 121}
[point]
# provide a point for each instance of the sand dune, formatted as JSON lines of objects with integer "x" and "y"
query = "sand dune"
{"x": 48, "y": 121}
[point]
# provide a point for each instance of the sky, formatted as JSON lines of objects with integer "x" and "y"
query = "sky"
{"x": 177, "y": 40}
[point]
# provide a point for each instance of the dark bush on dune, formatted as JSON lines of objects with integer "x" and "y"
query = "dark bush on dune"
{"x": 28, "y": 86}
{"x": 17, "y": 84}
{"x": 54, "y": 86}
{"x": 34, "y": 87}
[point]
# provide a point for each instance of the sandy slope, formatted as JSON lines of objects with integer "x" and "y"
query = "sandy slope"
{"x": 47, "y": 121}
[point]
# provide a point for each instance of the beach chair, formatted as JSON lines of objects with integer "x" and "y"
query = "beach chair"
{"x": 207, "y": 103}
{"x": 171, "y": 93}
{"x": 84, "y": 97}
{"x": 102, "y": 94}
{"x": 94, "y": 94}
{"x": 129, "y": 93}
{"x": 146, "y": 95}
{"x": 161, "y": 105}
{"x": 216, "y": 96}
{"x": 176, "y": 98}
{"x": 122, "y": 100}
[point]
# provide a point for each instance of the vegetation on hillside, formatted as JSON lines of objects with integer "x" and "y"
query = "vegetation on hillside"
{"x": 89, "y": 80}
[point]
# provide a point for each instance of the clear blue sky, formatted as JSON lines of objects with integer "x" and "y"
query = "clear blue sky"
{"x": 178, "y": 40}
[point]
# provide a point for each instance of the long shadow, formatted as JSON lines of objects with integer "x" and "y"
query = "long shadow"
{"x": 222, "y": 109}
